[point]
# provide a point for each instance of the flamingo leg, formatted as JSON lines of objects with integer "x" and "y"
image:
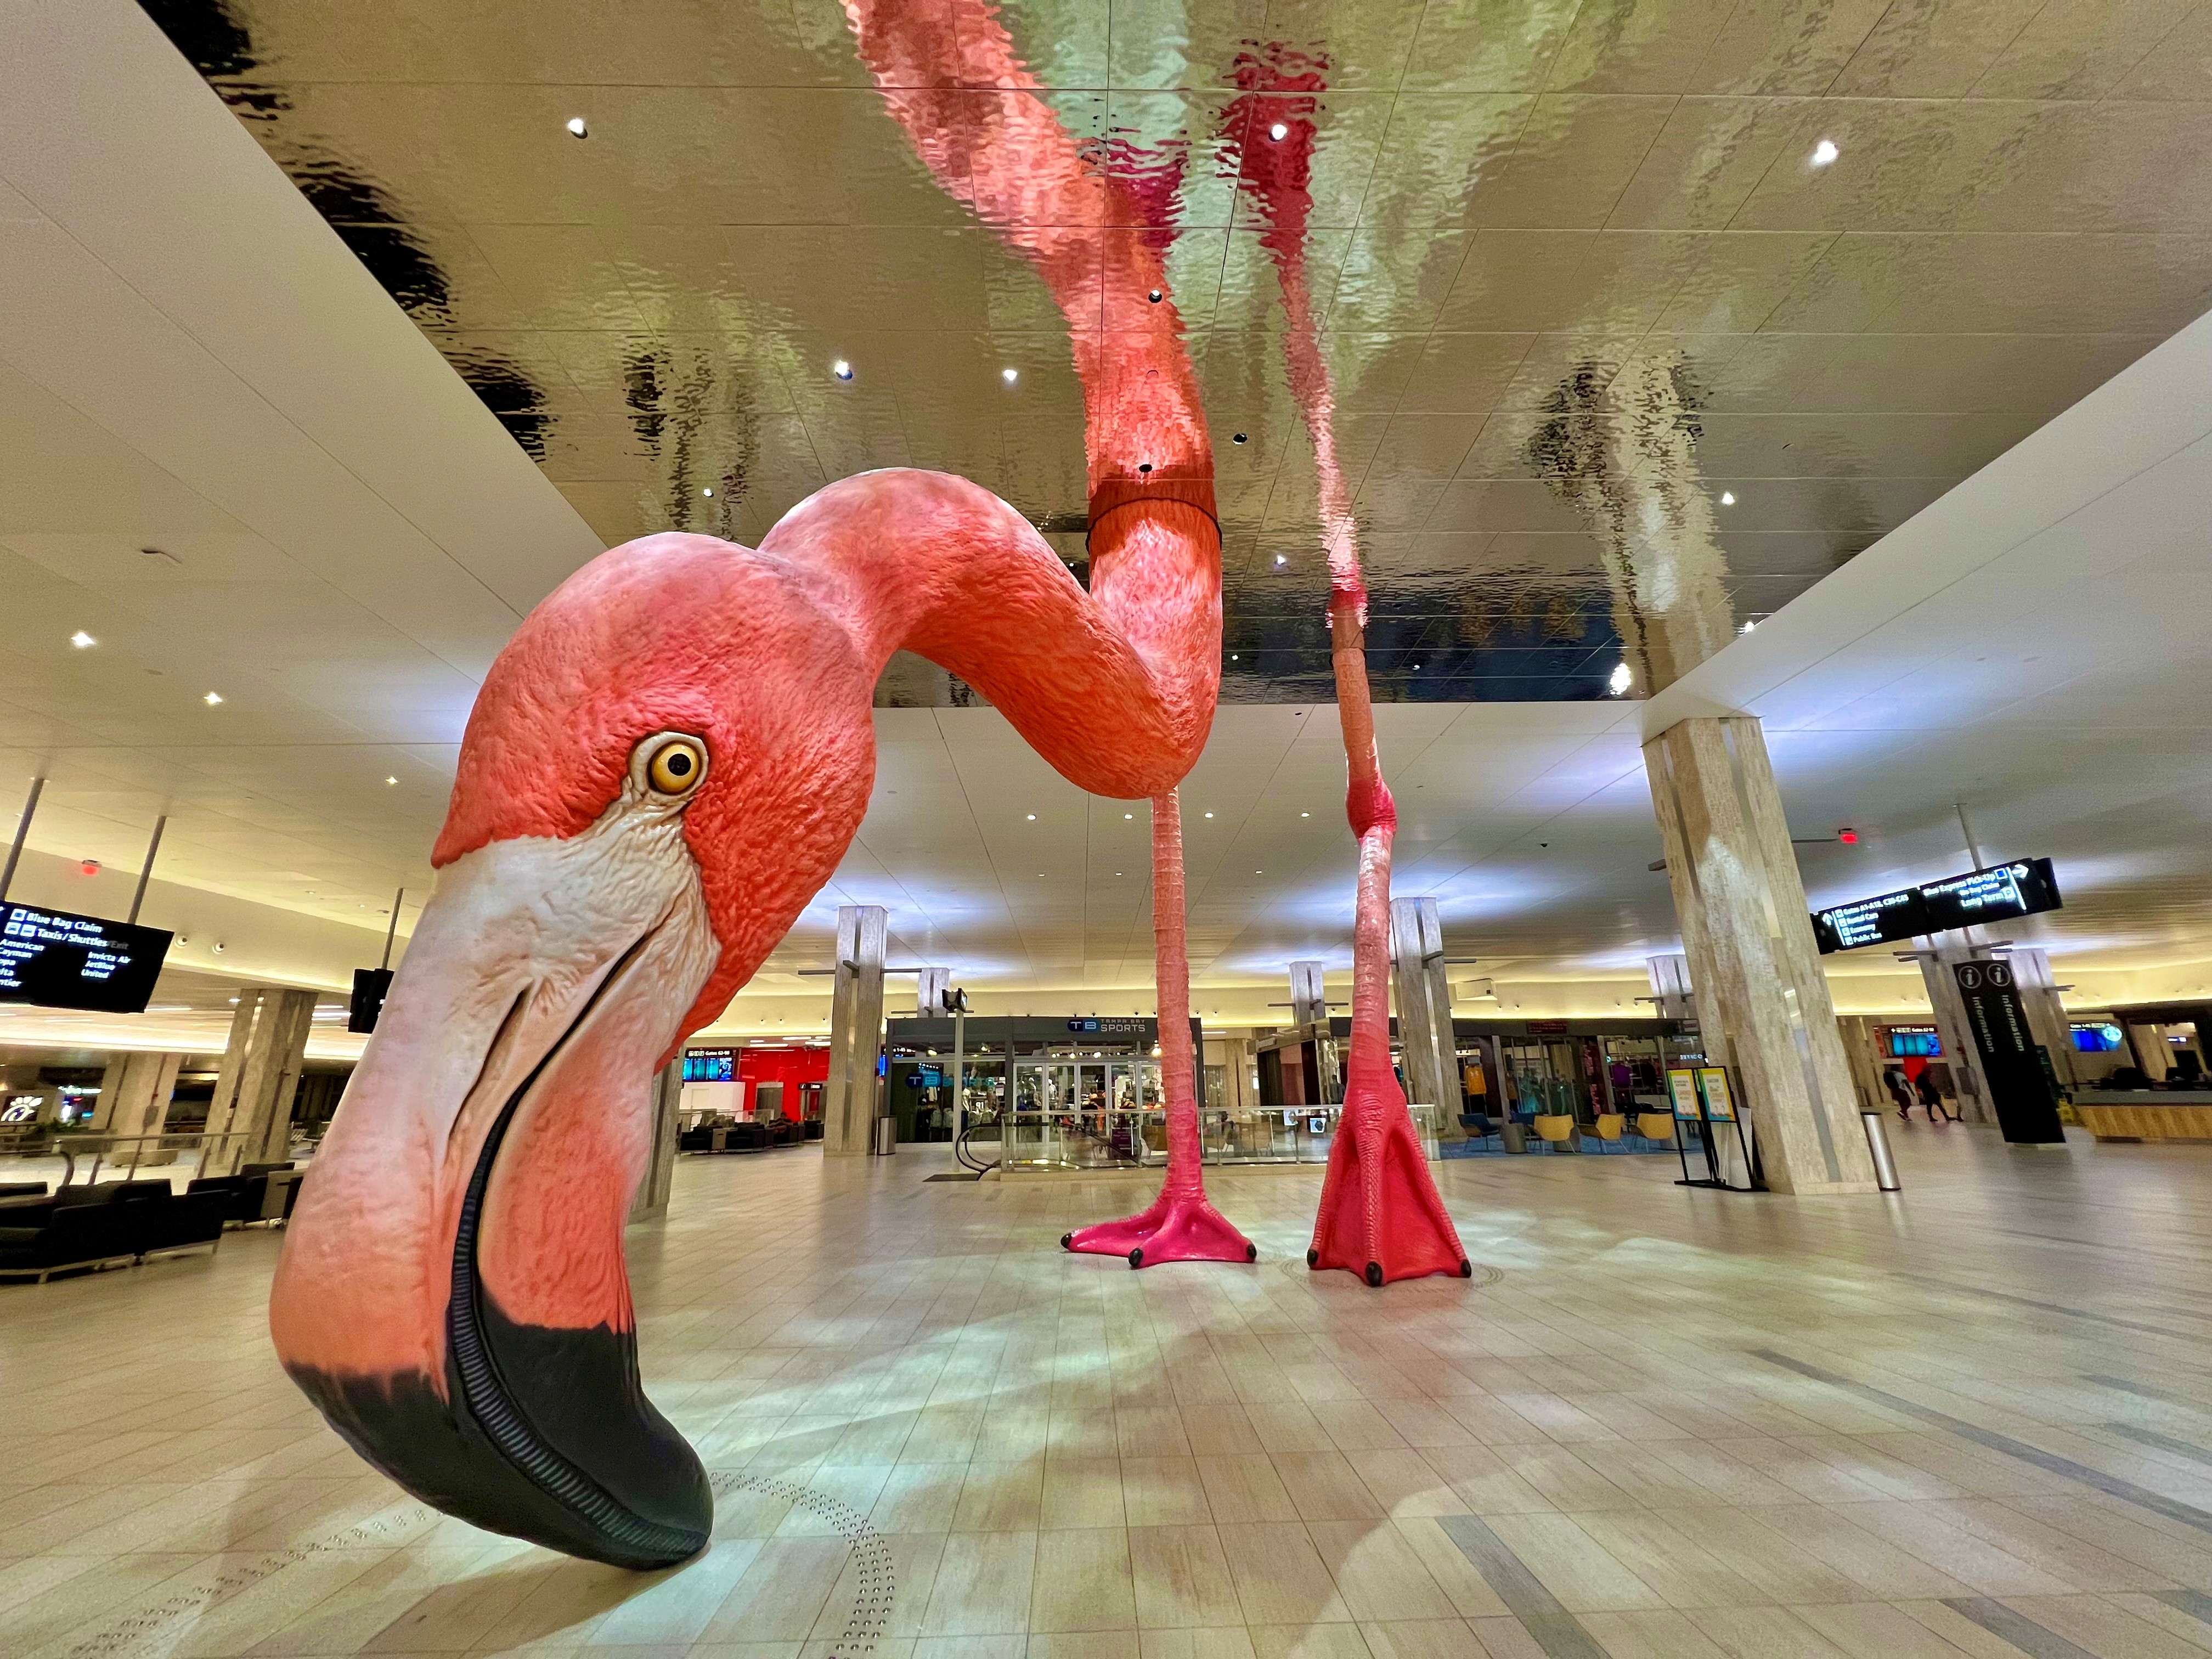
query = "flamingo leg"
{"x": 1381, "y": 1215}
{"x": 1182, "y": 1224}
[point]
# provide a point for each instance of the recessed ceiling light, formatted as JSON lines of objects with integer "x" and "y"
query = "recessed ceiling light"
{"x": 1416, "y": 668}
{"x": 1232, "y": 656}
{"x": 392, "y": 781}
{"x": 1209, "y": 815}
{"x": 1009, "y": 375}
{"x": 1305, "y": 815}
{"x": 82, "y": 640}
{"x": 577, "y": 128}
{"x": 1824, "y": 152}
{"x": 1032, "y": 818}
{"x": 1727, "y": 498}
{"x": 1154, "y": 295}
{"x": 1747, "y": 626}
{"x": 212, "y": 698}
{"x": 1237, "y": 438}
{"x": 1282, "y": 558}
{"x": 1129, "y": 815}
{"x": 707, "y": 490}
{"x": 1279, "y": 132}
{"x": 841, "y": 369}
{"x": 1621, "y": 678}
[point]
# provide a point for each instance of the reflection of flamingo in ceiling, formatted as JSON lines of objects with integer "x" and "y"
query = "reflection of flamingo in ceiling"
{"x": 663, "y": 766}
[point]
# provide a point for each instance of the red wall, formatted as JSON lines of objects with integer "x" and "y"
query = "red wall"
{"x": 789, "y": 1067}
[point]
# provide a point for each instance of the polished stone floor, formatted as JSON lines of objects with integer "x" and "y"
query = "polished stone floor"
{"x": 1975, "y": 1418}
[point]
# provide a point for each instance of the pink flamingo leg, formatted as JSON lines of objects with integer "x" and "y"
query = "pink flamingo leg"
{"x": 1381, "y": 1215}
{"x": 1181, "y": 1225}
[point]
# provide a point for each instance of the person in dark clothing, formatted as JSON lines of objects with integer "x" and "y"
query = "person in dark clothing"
{"x": 1900, "y": 1091}
{"x": 1932, "y": 1098}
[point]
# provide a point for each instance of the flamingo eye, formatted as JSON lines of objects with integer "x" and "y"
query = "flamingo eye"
{"x": 675, "y": 764}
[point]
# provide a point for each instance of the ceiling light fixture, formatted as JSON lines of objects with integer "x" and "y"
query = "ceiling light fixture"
{"x": 1009, "y": 375}
{"x": 1727, "y": 498}
{"x": 212, "y": 698}
{"x": 1279, "y": 132}
{"x": 1032, "y": 818}
{"x": 1305, "y": 815}
{"x": 1129, "y": 815}
{"x": 1621, "y": 680}
{"x": 709, "y": 490}
{"x": 841, "y": 369}
{"x": 1824, "y": 152}
{"x": 82, "y": 640}
{"x": 1282, "y": 558}
{"x": 1154, "y": 295}
{"x": 577, "y": 129}
{"x": 389, "y": 782}
{"x": 1235, "y": 437}
{"x": 1747, "y": 627}
{"x": 1209, "y": 815}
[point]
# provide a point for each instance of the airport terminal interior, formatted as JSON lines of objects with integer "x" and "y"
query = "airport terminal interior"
{"x": 1106, "y": 830}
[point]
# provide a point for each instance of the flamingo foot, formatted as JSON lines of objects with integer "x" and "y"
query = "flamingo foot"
{"x": 1381, "y": 1215}
{"x": 1183, "y": 1228}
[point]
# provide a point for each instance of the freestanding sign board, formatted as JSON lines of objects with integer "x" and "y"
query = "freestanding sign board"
{"x": 2020, "y": 1085}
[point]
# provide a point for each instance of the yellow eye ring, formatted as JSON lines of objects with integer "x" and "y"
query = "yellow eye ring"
{"x": 677, "y": 766}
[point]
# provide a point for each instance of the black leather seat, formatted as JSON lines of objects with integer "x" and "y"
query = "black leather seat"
{"x": 117, "y": 1221}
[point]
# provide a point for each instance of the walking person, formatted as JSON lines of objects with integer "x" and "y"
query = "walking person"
{"x": 1899, "y": 1093}
{"x": 1931, "y": 1097}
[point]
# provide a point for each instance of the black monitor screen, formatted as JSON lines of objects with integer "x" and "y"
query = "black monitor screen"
{"x": 57, "y": 960}
{"x": 1997, "y": 894}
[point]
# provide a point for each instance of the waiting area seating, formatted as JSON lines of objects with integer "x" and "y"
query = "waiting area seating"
{"x": 259, "y": 1192}
{"x": 119, "y": 1223}
{"x": 746, "y": 1135}
{"x": 1558, "y": 1132}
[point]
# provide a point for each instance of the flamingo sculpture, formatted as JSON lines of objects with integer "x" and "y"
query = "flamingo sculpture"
{"x": 1381, "y": 1215}
{"x": 664, "y": 765}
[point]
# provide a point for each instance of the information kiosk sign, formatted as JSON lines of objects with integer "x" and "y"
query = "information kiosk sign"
{"x": 1682, "y": 1087}
{"x": 59, "y": 960}
{"x": 2019, "y": 1077}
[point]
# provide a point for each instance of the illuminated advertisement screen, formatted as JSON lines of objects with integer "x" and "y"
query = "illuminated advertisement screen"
{"x": 57, "y": 960}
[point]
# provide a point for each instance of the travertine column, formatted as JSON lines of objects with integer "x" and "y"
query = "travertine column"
{"x": 260, "y": 1075}
{"x": 2046, "y": 1012}
{"x": 1309, "y": 1001}
{"x": 1762, "y": 1000}
{"x": 1424, "y": 1033}
{"x": 856, "y": 1031}
{"x": 1947, "y": 1011}
{"x": 133, "y": 1094}
{"x": 664, "y": 1096}
{"x": 930, "y": 987}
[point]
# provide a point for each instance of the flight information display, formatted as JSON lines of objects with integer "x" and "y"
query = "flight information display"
{"x": 57, "y": 960}
{"x": 1998, "y": 893}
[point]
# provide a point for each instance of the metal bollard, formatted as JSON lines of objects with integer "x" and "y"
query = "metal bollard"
{"x": 1885, "y": 1166}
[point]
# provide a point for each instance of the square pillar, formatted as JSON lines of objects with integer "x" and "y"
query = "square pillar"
{"x": 1424, "y": 1033}
{"x": 856, "y": 1031}
{"x": 1948, "y": 1010}
{"x": 2046, "y": 1012}
{"x": 259, "y": 1076}
{"x": 930, "y": 985}
{"x": 664, "y": 1097}
{"x": 1762, "y": 1000}
{"x": 1309, "y": 1002}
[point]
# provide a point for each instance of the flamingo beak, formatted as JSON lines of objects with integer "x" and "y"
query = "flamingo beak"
{"x": 451, "y": 1293}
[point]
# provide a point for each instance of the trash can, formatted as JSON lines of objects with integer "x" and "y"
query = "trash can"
{"x": 1885, "y": 1166}
{"x": 1515, "y": 1135}
{"x": 886, "y": 1137}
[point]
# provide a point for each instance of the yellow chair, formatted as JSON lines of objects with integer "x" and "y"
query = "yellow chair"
{"x": 1609, "y": 1125}
{"x": 1656, "y": 1126}
{"x": 1556, "y": 1127}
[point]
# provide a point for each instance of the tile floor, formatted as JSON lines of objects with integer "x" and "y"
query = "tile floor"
{"x": 1976, "y": 1419}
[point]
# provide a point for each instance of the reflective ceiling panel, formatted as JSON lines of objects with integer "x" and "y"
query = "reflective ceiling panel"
{"x": 1642, "y": 315}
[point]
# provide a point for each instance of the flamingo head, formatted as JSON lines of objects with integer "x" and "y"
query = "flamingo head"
{"x": 662, "y": 766}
